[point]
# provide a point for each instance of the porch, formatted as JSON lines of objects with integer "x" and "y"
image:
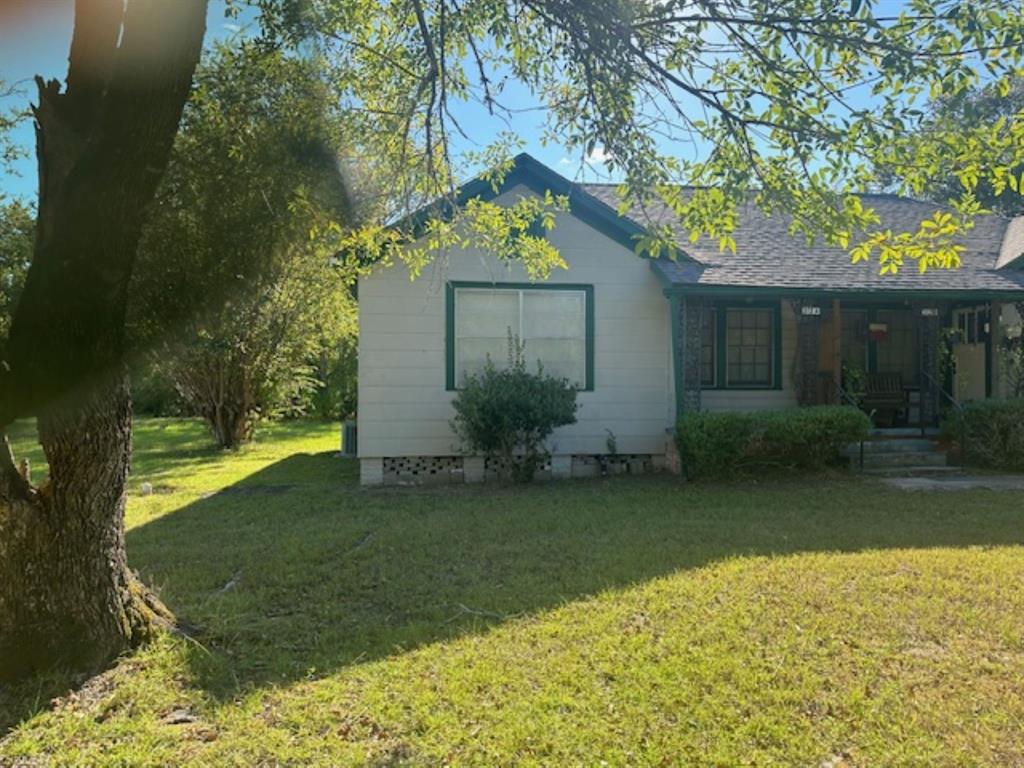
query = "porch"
{"x": 902, "y": 361}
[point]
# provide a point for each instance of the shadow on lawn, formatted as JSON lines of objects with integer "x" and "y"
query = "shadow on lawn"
{"x": 296, "y": 571}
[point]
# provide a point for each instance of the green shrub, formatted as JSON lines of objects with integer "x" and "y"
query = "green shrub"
{"x": 721, "y": 444}
{"x": 508, "y": 414}
{"x": 337, "y": 390}
{"x": 990, "y": 433}
{"x": 153, "y": 393}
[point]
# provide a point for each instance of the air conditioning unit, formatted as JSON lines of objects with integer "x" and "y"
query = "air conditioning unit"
{"x": 349, "y": 439}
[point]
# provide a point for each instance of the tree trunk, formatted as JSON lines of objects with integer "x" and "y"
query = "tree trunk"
{"x": 66, "y": 595}
{"x": 232, "y": 427}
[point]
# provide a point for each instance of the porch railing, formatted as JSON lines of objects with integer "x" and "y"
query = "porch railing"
{"x": 849, "y": 399}
{"x": 958, "y": 407}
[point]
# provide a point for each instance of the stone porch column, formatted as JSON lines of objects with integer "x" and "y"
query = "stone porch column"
{"x": 808, "y": 333}
{"x": 930, "y": 338}
{"x": 691, "y": 315}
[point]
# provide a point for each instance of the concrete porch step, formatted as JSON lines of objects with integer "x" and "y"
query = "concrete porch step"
{"x": 904, "y": 432}
{"x": 911, "y": 471}
{"x": 898, "y": 455}
{"x": 900, "y": 445}
{"x": 905, "y": 459}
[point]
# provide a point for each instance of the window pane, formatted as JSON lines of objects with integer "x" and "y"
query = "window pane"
{"x": 483, "y": 320}
{"x": 749, "y": 347}
{"x": 472, "y": 356}
{"x": 555, "y": 333}
{"x": 486, "y": 313}
{"x": 562, "y": 358}
{"x": 554, "y": 314}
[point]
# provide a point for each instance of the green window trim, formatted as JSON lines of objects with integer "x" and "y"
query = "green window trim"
{"x": 721, "y": 309}
{"x": 449, "y": 342}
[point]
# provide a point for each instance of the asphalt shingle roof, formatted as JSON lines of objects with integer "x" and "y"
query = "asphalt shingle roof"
{"x": 1013, "y": 243}
{"x": 767, "y": 256}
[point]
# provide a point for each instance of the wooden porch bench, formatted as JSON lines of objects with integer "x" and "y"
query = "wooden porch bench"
{"x": 884, "y": 394}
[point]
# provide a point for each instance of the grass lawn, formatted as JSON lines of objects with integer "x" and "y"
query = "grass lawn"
{"x": 635, "y": 621}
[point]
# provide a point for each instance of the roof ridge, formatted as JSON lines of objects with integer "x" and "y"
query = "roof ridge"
{"x": 881, "y": 195}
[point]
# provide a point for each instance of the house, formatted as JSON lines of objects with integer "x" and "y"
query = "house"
{"x": 774, "y": 325}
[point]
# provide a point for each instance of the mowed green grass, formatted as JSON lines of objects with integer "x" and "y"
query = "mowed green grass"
{"x": 634, "y": 621}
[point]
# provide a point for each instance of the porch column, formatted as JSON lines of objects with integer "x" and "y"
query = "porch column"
{"x": 808, "y": 333}
{"x": 837, "y": 348}
{"x": 930, "y": 338}
{"x": 691, "y": 314}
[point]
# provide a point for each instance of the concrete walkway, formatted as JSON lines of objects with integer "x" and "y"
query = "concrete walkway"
{"x": 958, "y": 482}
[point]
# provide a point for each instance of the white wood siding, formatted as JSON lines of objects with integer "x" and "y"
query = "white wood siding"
{"x": 404, "y": 409}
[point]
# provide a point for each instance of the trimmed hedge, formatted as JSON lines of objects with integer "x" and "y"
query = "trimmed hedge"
{"x": 990, "y": 433}
{"x": 722, "y": 444}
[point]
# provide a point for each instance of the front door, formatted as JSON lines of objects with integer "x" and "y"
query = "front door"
{"x": 970, "y": 353}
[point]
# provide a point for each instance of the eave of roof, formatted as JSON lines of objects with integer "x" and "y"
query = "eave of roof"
{"x": 539, "y": 178}
{"x": 800, "y": 270}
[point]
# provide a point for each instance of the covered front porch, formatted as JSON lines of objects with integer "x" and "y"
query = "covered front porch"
{"x": 902, "y": 359}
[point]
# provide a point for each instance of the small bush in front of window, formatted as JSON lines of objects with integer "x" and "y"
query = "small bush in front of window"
{"x": 989, "y": 433}
{"x": 508, "y": 413}
{"x": 722, "y": 444}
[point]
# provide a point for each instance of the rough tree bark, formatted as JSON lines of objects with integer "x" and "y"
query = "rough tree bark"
{"x": 67, "y": 597}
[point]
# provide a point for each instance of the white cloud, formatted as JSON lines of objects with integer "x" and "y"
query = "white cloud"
{"x": 231, "y": 27}
{"x": 599, "y": 156}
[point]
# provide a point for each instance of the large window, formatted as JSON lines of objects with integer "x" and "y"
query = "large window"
{"x": 749, "y": 347}
{"x": 554, "y": 324}
{"x": 739, "y": 347}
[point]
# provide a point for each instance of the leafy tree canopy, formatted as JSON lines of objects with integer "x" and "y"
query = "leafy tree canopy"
{"x": 238, "y": 288}
{"x": 9, "y": 151}
{"x": 17, "y": 239}
{"x": 979, "y": 123}
{"x": 799, "y": 102}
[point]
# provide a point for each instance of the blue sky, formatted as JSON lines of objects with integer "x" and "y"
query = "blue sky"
{"x": 34, "y": 40}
